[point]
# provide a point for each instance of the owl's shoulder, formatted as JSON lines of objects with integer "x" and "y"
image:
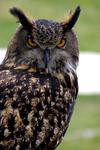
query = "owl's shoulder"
{"x": 19, "y": 81}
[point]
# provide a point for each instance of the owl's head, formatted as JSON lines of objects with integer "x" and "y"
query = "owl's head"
{"x": 43, "y": 43}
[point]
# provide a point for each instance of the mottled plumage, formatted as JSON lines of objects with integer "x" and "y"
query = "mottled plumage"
{"x": 38, "y": 84}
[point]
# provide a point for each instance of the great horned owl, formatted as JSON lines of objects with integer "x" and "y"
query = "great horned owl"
{"x": 38, "y": 83}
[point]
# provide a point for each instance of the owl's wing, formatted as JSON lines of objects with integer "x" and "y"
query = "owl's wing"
{"x": 35, "y": 109}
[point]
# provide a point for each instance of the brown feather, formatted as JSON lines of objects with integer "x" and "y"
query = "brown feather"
{"x": 35, "y": 109}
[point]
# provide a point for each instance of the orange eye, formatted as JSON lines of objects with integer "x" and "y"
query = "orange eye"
{"x": 31, "y": 43}
{"x": 61, "y": 43}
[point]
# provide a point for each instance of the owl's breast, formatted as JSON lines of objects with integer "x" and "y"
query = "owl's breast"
{"x": 35, "y": 110}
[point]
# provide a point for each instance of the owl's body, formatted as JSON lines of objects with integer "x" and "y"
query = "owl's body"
{"x": 38, "y": 84}
{"x": 35, "y": 109}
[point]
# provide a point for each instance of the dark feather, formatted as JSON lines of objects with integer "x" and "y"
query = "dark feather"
{"x": 35, "y": 109}
{"x": 73, "y": 19}
{"x": 26, "y": 23}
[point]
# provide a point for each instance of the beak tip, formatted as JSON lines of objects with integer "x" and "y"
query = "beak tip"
{"x": 46, "y": 70}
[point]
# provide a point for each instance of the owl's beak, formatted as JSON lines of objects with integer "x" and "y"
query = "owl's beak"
{"x": 46, "y": 57}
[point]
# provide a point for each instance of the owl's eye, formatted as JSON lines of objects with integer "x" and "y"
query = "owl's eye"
{"x": 31, "y": 43}
{"x": 61, "y": 43}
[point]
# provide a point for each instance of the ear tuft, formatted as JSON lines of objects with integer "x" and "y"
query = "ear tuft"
{"x": 71, "y": 19}
{"x": 22, "y": 18}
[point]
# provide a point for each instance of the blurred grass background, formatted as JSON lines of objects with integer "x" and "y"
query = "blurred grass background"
{"x": 84, "y": 130}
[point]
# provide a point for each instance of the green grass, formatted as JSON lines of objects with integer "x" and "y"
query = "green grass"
{"x": 81, "y": 144}
{"x": 86, "y": 117}
{"x": 87, "y": 28}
